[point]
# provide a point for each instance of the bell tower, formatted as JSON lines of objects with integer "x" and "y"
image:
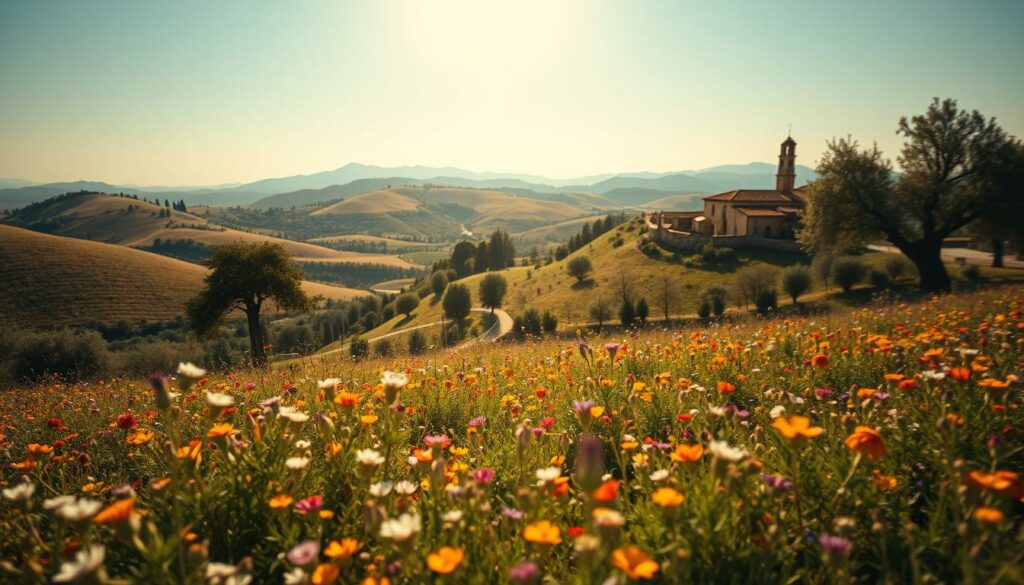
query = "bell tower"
{"x": 785, "y": 179}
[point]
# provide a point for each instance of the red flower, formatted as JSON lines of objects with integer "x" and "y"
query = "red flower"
{"x": 820, "y": 361}
{"x": 684, "y": 417}
{"x": 127, "y": 421}
{"x": 55, "y": 423}
{"x": 575, "y": 531}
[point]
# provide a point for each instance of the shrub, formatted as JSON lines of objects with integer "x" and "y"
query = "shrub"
{"x": 970, "y": 273}
{"x": 704, "y": 309}
{"x": 457, "y": 301}
{"x": 388, "y": 312}
{"x": 529, "y": 322}
{"x": 417, "y": 342}
{"x": 382, "y": 347}
{"x": 847, "y": 271}
{"x": 751, "y": 281}
{"x": 642, "y": 310}
{"x": 549, "y": 323}
{"x": 358, "y": 348}
{"x": 795, "y": 281}
{"x": 896, "y": 267}
{"x": 579, "y": 267}
{"x": 626, "y": 313}
{"x": 369, "y": 321}
{"x": 716, "y": 297}
{"x": 406, "y": 303}
{"x": 70, "y": 355}
{"x": 766, "y": 300}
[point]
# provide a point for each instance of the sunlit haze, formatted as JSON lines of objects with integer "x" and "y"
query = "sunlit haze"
{"x": 204, "y": 93}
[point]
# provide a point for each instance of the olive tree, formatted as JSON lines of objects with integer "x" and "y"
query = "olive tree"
{"x": 953, "y": 169}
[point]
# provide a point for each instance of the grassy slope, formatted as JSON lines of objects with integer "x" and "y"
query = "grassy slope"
{"x": 558, "y": 232}
{"x": 50, "y": 280}
{"x": 552, "y": 288}
{"x": 488, "y": 207}
{"x": 390, "y": 242}
{"x": 105, "y": 218}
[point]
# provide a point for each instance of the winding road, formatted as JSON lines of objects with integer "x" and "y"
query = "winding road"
{"x": 496, "y": 332}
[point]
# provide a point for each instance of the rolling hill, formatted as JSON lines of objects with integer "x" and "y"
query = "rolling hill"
{"x": 554, "y": 233}
{"x": 48, "y": 280}
{"x": 478, "y": 209}
{"x": 134, "y": 223}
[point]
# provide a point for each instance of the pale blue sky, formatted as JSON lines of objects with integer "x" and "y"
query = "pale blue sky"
{"x": 201, "y": 92}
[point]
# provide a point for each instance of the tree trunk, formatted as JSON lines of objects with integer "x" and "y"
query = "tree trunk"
{"x": 997, "y": 252}
{"x": 930, "y": 269}
{"x": 259, "y": 356}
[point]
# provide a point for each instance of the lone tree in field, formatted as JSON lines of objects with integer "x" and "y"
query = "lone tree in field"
{"x": 579, "y": 267}
{"x": 406, "y": 303}
{"x": 456, "y": 302}
{"x": 795, "y": 281}
{"x": 438, "y": 281}
{"x": 954, "y": 166}
{"x": 243, "y": 277}
{"x": 492, "y": 291}
{"x": 601, "y": 311}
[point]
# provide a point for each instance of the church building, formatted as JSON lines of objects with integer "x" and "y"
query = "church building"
{"x": 762, "y": 213}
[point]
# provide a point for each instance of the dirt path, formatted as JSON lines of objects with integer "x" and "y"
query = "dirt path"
{"x": 492, "y": 334}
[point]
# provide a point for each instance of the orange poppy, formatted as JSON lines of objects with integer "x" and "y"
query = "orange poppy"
{"x": 866, "y": 441}
{"x": 687, "y": 453}
{"x": 116, "y": 513}
{"x": 960, "y": 374}
{"x": 667, "y": 497}
{"x": 820, "y": 361}
{"x": 342, "y": 549}
{"x": 607, "y": 491}
{"x": 795, "y": 428}
{"x": 445, "y": 560}
{"x": 542, "y": 532}
{"x": 325, "y": 574}
{"x": 634, "y": 562}
{"x": 726, "y": 388}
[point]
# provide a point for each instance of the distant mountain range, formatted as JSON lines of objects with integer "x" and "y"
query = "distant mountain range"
{"x": 609, "y": 190}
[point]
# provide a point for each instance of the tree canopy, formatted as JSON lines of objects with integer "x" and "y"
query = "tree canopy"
{"x": 243, "y": 276}
{"x": 954, "y": 166}
{"x": 492, "y": 291}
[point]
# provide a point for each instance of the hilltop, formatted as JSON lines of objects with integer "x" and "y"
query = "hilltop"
{"x": 48, "y": 280}
{"x": 140, "y": 224}
{"x": 478, "y": 209}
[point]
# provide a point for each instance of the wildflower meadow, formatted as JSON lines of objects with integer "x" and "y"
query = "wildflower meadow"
{"x": 879, "y": 444}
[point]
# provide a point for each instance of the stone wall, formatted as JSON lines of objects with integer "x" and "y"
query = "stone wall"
{"x": 690, "y": 242}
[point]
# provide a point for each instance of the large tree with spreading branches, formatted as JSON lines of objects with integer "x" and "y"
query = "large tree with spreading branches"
{"x": 953, "y": 168}
{"x": 243, "y": 277}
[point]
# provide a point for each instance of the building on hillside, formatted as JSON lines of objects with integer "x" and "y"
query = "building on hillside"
{"x": 741, "y": 216}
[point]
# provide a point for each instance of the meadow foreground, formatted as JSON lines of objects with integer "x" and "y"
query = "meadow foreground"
{"x": 879, "y": 445}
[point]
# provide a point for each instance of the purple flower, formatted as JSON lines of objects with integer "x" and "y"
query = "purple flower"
{"x": 524, "y": 572}
{"x": 880, "y": 396}
{"x": 512, "y": 513}
{"x": 611, "y": 348}
{"x": 836, "y": 547}
{"x": 159, "y": 382}
{"x": 583, "y": 406}
{"x": 777, "y": 483}
{"x": 484, "y": 475}
{"x": 304, "y": 553}
{"x": 823, "y": 392}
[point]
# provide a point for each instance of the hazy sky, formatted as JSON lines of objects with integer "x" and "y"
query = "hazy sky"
{"x": 206, "y": 92}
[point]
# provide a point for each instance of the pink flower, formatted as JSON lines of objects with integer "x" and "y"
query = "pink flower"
{"x": 484, "y": 475}
{"x": 310, "y": 504}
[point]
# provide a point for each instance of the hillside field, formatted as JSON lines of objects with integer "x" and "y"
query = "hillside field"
{"x": 877, "y": 445}
{"x": 135, "y": 223}
{"x": 48, "y": 280}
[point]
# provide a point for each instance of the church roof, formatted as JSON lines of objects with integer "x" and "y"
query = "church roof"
{"x": 753, "y": 195}
{"x": 762, "y": 212}
{"x": 789, "y": 140}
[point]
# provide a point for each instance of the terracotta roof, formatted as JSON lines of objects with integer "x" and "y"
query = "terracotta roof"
{"x": 789, "y": 209}
{"x": 671, "y": 214}
{"x": 754, "y": 212}
{"x": 753, "y": 195}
